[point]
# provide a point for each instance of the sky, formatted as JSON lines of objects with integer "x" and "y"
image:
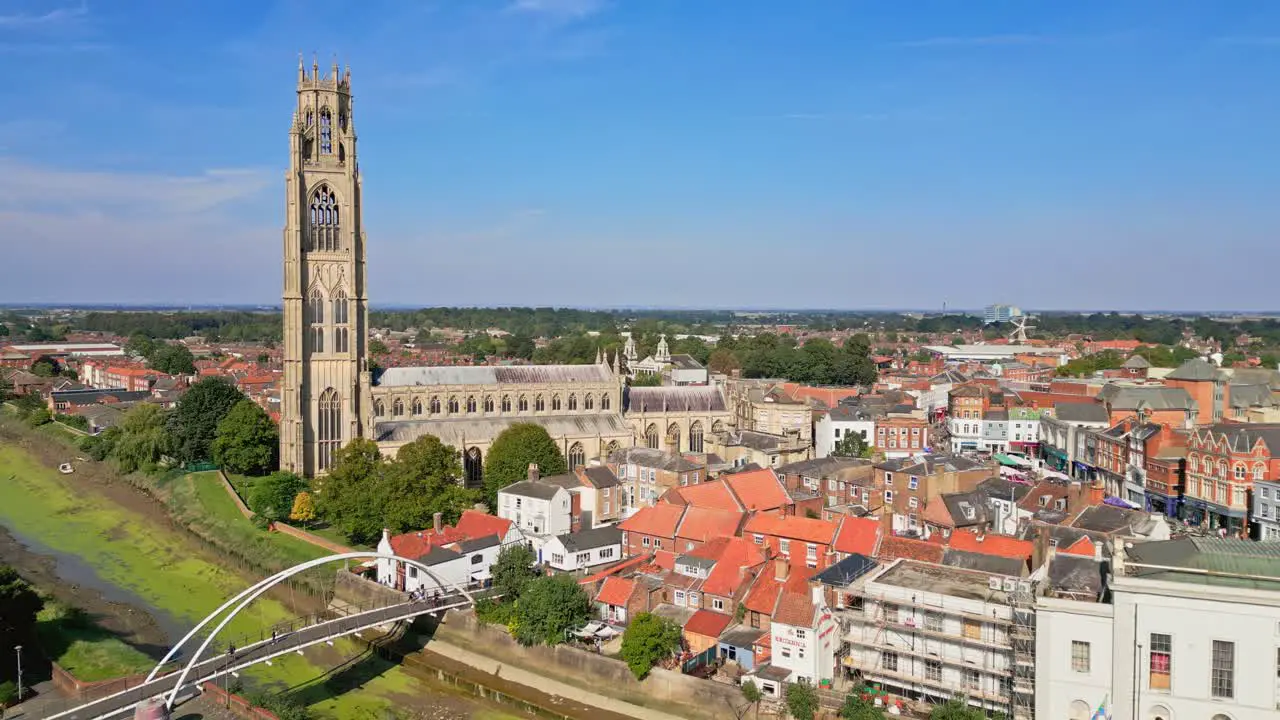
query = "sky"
{"x": 1091, "y": 154}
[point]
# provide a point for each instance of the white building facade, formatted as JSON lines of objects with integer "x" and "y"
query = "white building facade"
{"x": 836, "y": 424}
{"x": 538, "y": 510}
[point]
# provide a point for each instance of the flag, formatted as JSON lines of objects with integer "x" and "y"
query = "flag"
{"x": 1101, "y": 713}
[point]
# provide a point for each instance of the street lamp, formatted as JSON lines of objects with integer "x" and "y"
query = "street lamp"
{"x": 18, "y": 649}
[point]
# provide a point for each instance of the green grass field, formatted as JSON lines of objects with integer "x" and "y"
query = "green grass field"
{"x": 203, "y": 499}
{"x": 86, "y": 651}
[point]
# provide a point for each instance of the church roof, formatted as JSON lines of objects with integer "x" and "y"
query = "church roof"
{"x": 484, "y": 375}
{"x": 675, "y": 399}
{"x": 464, "y": 432}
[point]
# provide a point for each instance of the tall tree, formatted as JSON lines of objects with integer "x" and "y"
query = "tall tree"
{"x": 172, "y": 359}
{"x": 955, "y": 709}
{"x": 421, "y": 481}
{"x": 802, "y": 701}
{"x": 349, "y": 493}
{"x": 19, "y": 604}
{"x": 855, "y": 708}
{"x": 648, "y": 640}
{"x": 272, "y": 497}
{"x": 193, "y": 425}
{"x": 852, "y": 445}
{"x": 247, "y": 441}
{"x": 513, "y": 451}
{"x": 513, "y": 571}
{"x": 551, "y": 606}
{"x": 141, "y": 439}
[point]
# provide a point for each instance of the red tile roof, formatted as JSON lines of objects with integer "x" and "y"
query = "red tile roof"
{"x": 707, "y": 623}
{"x": 1083, "y": 546}
{"x": 714, "y": 494}
{"x": 414, "y": 545}
{"x": 989, "y": 544}
{"x": 660, "y": 520}
{"x": 859, "y": 535}
{"x": 893, "y": 547}
{"x": 792, "y": 527}
{"x": 665, "y": 559}
{"x": 794, "y": 609}
{"x": 729, "y": 572}
{"x": 759, "y": 489}
{"x": 475, "y": 524}
{"x": 703, "y": 524}
{"x": 616, "y": 591}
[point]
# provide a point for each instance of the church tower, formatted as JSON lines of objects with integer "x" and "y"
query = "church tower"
{"x": 326, "y": 377}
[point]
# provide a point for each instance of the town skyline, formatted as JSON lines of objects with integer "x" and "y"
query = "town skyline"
{"x": 499, "y": 137}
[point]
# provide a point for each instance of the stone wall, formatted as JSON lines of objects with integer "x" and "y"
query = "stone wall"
{"x": 71, "y": 686}
{"x": 236, "y": 704}
{"x": 356, "y": 590}
{"x": 662, "y": 689}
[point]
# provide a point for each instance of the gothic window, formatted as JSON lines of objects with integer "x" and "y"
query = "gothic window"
{"x": 314, "y": 318}
{"x": 473, "y": 468}
{"x": 329, "y": 431}
{"x": 326, "y": 132}
{"x": 539, "y": 404}
{"x": 311, "y": 118}
{"x": 435, "y": 405}
{"x": 673, "y": 436}
{"x": 573, "y": 402}
{"x": 717, "y": 427}
{"x": 453, "y": 404}
{"x": 611, "y": 448}
{"x": 604, "y": 401}
{"x": 577, "y": 456}
{"x": 342, "y": 120}
{"x": 506, "y": 403}
{"x": 651, "y": 436}
{"x": 524, "y": 404}
{"x": 378, "y": 409}
{"x": 397, "y": 407}
{"x": 488, "y": 403}
{"x": 555, "y": 402}
{"x": 471, "y": 403}
{"x": 341, "y": 333}
{"x": 588, "y": 402}
{"x": 325, "y": 220}
{"x": 695, "y": 437}
{"x": 417, "y": 406}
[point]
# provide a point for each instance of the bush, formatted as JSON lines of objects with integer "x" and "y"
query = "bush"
{"x": 8, "y": 692}
{"x": 802, "y": 701}
{"x": 649, "y": 639}
{"x": 495, "y": 612}
{"x": 39, "y": 417}
{"x": 78, "y": 422}
{"x": 273, "y": 495}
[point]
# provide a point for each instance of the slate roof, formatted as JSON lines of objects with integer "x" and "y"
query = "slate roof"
{"x": 532, "y": 488}
{"x": 591, "y": 539}
{"x": 1136, "y": 362}
{"x": 984, "y": 562}
{"x": 84, "y": 397}
{"x": 1241, "y": 437}
{"x": 1247, "y": 396}
{"x": 821, "y": 467}
{"x": 652, "y": 458}
{"x": 439, "y": 554}
{"x": 1128, "y": 397}
{"x": 682, "y": 398}
{"x": 600, "y": 477}
{"x": 469, "y": 546}
{"x": 930, "y": 464}
{"x": 1076, "y": 574}
{"x": 1195, "y": 369}
{"x": 486, "y": 375}
{"x": 456, "y": 431}
{"x": 685, "y": 362}
{"x": 998, "y": 488}
{"x": 1220, "y": 555}
{"x": 1110, "y": 520}
{"x": 846, "y": 571}
{"x": 1081, "y": 413}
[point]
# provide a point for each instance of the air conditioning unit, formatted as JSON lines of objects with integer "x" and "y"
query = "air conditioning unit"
{"x": 993, "y": 583}
{"x": 1010, "y": 584}
{"x": 1024, "y": 586}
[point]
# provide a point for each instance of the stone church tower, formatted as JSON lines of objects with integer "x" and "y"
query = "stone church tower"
{"x": 326, "y": 379}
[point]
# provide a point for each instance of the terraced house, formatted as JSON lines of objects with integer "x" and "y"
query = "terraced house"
{"x": 1223, "y": 463}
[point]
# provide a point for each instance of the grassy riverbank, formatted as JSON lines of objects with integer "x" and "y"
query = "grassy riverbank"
{"x": 128, "y": 542}
{"x": 75, "y": 642}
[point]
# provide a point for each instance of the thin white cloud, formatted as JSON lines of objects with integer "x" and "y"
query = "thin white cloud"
{"x": 570, "y": 9}
{"x": 56, "y": 15}
{"x": 977, "y": 41}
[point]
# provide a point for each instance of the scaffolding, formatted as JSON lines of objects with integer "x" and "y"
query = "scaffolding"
{"x": 1022, "y": 633}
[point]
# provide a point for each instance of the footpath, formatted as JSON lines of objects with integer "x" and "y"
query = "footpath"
{"x": 544, "y": 684}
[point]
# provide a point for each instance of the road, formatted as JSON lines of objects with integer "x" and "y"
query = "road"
{"x": 223, "y": 662}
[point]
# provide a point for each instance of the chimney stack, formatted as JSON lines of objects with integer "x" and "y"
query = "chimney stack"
{"x": 533, "y": 471}
{"x": 437, "y": 520}
{"x": 386, "y": 532}
{"x": 781, "y": 568}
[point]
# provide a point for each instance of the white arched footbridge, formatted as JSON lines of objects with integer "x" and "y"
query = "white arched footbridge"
{"x": 202, "y": 666}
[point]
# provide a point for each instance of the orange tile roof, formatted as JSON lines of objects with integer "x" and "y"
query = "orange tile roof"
{"x": 989, "y": 544}
{"x": 714, "y": 494}
{"x": 661, "y": 520}
{"x": 794, "y": 609}
{"x": 727, "y": 575}
{"x": 858, "y": 535}
{"x": 707, "y": 623}
{"x": 765, "y": 594}
{"x": 616, "y": 591}
{"x": 759, "y": 489}
{"x": 664, "y": 559}
{"x": 792, "y": 527}
{"x": 703, "y": 524}
{"x": 414, "y": 545}
{"x": 893, "y": 547}
{"x": 475, "y": 524}
{"x": 1083, "y": 546}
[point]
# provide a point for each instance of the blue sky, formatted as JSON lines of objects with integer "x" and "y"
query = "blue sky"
{"x": 762, "y": 153}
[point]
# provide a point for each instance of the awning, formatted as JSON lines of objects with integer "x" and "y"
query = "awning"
{"x": 1010, "y": 461}
{"x": 1056, "y": 474}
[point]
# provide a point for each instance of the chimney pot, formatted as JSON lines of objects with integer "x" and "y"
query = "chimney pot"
{"x": 437, "y": 520}
{"x": 533, "y": 471}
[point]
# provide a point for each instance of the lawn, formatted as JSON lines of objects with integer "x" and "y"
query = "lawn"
{"x": 244, "y": 484}
{"x": 215, "y": 510}
{"x": 85, "y": 650}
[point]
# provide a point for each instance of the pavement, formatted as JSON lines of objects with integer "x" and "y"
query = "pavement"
{"x": 225, "y": 661}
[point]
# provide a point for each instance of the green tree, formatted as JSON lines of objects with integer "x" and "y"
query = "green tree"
{"x": 852, "y": 445}
{"x": 19, "y": 604}
{"x": 142, "y": 439}
{"x": 272, "y": 497}
{"x": 550, "y": 606}
{"x": 855, "y": 708}
{"x": 723, "y": 360}
{"x": 751, "y": 693}
{"x": 193, "y": 425}
{"x": 513, "y": 571}
{"x": 377, "y": 347}
{"x": 648, "y": 640}
{"x": 956, "y": 709}
{"x": 520, "y": 346}
{"x": 264, "y": 359}
{"x": 304, "y": 508}
{"x": 140, "y": 345}
{"x": 647, "y": 380}
{"x": 247, "y": 440}
{"x": 44, "y": 368}
{"x": 421, "y": 481}
{"x": 513, "y": 451}
{"x": 172, "y": 359}
{"x": 38, "y": 417}
{"x": 348, "y": 497}
{"x": 802, "y": 701}
{"x": 4, "y": 330}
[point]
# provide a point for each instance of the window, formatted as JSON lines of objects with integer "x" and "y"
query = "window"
{"x": 800, "y": 634}
{"x": 1161, "y": 661}
{"x": 717, "y": 604}
{"x": 506, "y": 403}
{"x": 453, "y": 404}
{"x": 932, "y": 621}
{"x": 471, "y": 403}
{"x": 758, "y": 539}
{"x": 890, "y": 612}
{"x": 972, "y": 679}
{"x": 416, "y": 408}
{"x": 326, "y": 132}
{"x": 557, "y": 559}
{"x": 784, "y": 547}
{"x": 1080, "y": 656}
{"x": 695, "y": 437}
{"x": 604, "y": 402}
{"x": 324, "y": 221}
{"x": 972, "y": 629}
{"x": 583, "y": 558}
{"x": 693, "y": 599}
{"x": 1239, "y": 471}
{"x": 588, "y": 402}
{"x": 933, "y": 670}
{"x": 577, "y": 456}
{"x": 913, "y": 503}
{"x": 889, "y": 661}
{"x": 645, "y": 542}
{"x": 488, "y": 403}
{"x": 1222, "y": 682}
{"x": 786, "y": 653}
{"x": 888, "y": 496}
{"x": 329, "y": 432}
{"x": 913, "y": 483}
{"x": 888, "y": 479}
{"x": 341, "y": 335}
{"x": 555, "y": 402}
{"x": 523, "y": 404}
{"x": 680, "y": 597}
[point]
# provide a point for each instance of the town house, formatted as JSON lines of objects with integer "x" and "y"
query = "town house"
{"x": 805, "y": 542}
{"x": 1223, "y": 462}
{"x": 907, "y": 485}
